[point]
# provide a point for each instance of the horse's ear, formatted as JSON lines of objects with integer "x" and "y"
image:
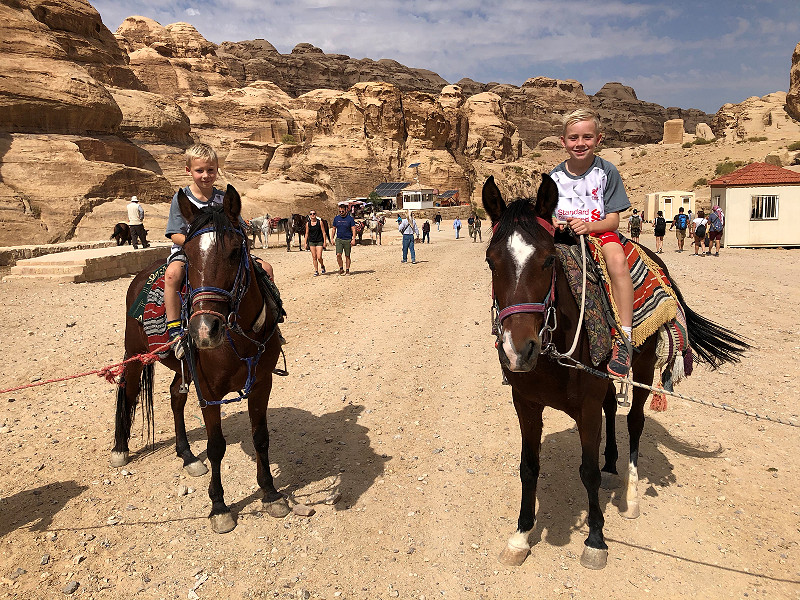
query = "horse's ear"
{"x": 546, "y": 197}
{"x": 232, "y": 204}
{"x": 492, "y": 200}
{"x": 188, "y": 209}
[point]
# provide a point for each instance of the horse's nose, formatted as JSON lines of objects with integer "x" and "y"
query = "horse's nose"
{"x": 207, "y": 331}
{"x": 518, "y": 358}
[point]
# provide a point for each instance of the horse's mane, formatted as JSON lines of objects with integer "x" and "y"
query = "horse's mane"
{"x": 519, "y": 213}
{"x": 213, "y": 217}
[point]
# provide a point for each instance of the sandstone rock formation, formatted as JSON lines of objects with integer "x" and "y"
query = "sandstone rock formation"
{"x": 793, "y": 97}
{"x": 703, "y": 132}
{"x": 756, "y": 117}
{"x": 308, "y": 68}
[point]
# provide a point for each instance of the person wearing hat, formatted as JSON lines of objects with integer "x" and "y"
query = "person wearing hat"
{"x": 635, "y": 226}
{"x": 136, "y": 224}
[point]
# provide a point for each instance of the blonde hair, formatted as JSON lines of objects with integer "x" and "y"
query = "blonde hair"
{"x": 582, "y": 114}
{"x": 201, "y": 151}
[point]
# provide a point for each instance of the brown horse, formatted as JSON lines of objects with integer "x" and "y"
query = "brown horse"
{"x": 231, "y": 346}
{"x": 530, "y": 288}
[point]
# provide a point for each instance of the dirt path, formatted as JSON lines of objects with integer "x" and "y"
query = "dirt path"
{"x": 395, "y": 401}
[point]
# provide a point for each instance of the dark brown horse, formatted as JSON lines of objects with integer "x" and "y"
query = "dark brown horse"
{"x": 232, "y": 345}
{"x": 122, "y": 234}
{"x": 295, "y": 225}
{"x": 529, "y": 282}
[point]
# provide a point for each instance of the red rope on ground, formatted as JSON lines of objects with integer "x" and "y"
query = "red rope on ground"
{"x": 109, "y": 373}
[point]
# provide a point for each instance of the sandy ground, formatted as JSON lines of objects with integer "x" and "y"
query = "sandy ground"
{"x": 395, "y": 401}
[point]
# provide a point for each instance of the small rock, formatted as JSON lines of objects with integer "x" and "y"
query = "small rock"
{"x": 303, "y": 594}
{"x": 71, "y": 588}
{"x": 45, "y": 559}
{"x": 192, "y": 595}
{"x": 333, "y": 498}
{"x": 79, "y": 559}
{"x": 52, "y": 535}
{"x": 182, "y": 490}
{"x": 17, "y": 572}
{"x": 302, "y": 510}
{"x": 4, "y": 429}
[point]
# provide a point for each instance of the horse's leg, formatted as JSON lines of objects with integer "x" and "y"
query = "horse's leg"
{"x": 191, "y": 464}
{"x": 609, "y": 476}
{"x": 221, "y": 519}
{"x": 595, "y": 552}
{"x": 288, "y": 241}
{"x": 530, "y": 424}
{"x": 643, "y": 373}
{"x": 128, "y": 390}
{"x": 274, "y": 502}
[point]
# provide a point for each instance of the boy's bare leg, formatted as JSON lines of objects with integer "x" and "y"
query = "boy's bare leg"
{"x": 173, "y": 277}
{"x": 621, "y": 284}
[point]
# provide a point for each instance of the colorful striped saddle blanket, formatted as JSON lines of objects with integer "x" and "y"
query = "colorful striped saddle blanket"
{"x": 148, "y": 309}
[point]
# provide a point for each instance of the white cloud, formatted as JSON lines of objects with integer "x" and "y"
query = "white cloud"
{"x": 192, "y": 12}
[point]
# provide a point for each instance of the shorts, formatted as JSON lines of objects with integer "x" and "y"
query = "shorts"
{"x": 635, "y": 232}
{"x": 714, "y": 235}
{"x": 607, "y": 237}
{"x": 680, "y": 233}
{"x": 343, "y": 246}
{"x": 316, "y": 243}
{"x": 659, "y": 233}
{"x": 178, "y": 255}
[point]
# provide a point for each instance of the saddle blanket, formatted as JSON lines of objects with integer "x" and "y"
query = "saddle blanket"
{"x": 654, "y": 301}
{"x": 149, "y": 310}
{"x": 594, "y": 318}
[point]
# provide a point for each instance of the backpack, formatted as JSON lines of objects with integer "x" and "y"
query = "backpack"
{"x": 683, "y": 221}
{"x": 636, "y": 223}
{"x": 716, "y": 222}
{"x": 700, "y": 230}
{"x": 661, "y": 225}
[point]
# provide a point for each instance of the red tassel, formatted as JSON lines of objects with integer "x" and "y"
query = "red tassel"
{"x": 658, "y": 402}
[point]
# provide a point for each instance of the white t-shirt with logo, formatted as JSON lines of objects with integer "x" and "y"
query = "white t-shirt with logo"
{"x": 590, "y": 196}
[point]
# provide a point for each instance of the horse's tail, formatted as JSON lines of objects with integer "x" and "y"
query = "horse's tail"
{"x": 713, "y": 343}
{"x": 146, "y": 395}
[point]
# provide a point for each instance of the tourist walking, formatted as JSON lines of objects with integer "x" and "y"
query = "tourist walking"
{"x": 680, "y": 223}
{"x": 408, "y": 227}
{"x": 344, "y": 226}
{"x": 438, "y": 220}
{"x": 635, "y": 226}
{"x": 457, "y": 226}
{"x": 698, "y": 229}
{"x": 136, "y": 224}
{"x": 471, "y": 226}
{"x": 315, "y": 241}
{"x": 716, "y": 223}
{"x": 426, "y": 231}
{"x": 476, "y": 235}
{"x": 659, "y": 229}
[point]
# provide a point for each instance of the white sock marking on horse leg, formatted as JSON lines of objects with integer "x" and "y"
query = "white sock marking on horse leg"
{"x": 519, "y": 541}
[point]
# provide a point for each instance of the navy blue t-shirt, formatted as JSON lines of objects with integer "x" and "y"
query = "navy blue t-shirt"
{"x": 343, "y": 226}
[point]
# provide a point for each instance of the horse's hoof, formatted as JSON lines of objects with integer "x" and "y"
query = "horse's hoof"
{"x": 609, "y": 481}
{"x": 631, "y": 510}
{"x": 196, "y": 468}
{"x": 513, "y": 557}
{"x": 119, "y": 459}
{"x": 278, "y": 509}
{"x": 222, "y": 523}
{"x": 594, "y": 558}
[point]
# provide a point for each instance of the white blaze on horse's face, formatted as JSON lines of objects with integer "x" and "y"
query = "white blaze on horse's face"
{"x": 521, "y": 252}
{"x": 207, "y": 241}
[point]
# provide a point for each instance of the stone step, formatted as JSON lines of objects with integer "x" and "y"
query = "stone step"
{"x": 88, "y": 265}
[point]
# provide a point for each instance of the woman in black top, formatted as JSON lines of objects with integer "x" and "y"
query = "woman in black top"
{"x": 660, "y": 229}
{"x": 315, "y": 240}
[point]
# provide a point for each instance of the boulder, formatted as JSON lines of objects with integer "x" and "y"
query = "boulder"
{"x": 489, "y": 136}
{"x": 703, "y": 132}
{"x": 151, "y": 117}
{"x": 673, "y": 131}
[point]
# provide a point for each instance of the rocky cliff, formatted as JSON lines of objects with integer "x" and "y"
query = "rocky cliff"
{"x": 88, "y": 118}
{"x": 793, "y": 97}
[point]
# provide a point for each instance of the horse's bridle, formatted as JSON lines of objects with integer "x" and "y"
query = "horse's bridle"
{"x": 215, "y": 294}
{"x": 546, "y": 307}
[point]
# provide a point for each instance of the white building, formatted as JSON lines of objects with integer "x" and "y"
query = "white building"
{"x": 669, "y": 203}
{"x": 417, "y": 198}
{"x": 761, "y": 203}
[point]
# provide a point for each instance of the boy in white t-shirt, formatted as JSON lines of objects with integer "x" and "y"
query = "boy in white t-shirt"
{"x": 590, "y": 198}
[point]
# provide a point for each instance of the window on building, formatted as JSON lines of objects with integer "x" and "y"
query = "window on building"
{"x": 764, "y": 208}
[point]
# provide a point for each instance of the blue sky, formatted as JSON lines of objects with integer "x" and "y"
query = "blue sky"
{"x": 692, "y": 54}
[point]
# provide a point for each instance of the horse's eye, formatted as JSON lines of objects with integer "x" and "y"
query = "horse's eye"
{"x": 548, "y": 262}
